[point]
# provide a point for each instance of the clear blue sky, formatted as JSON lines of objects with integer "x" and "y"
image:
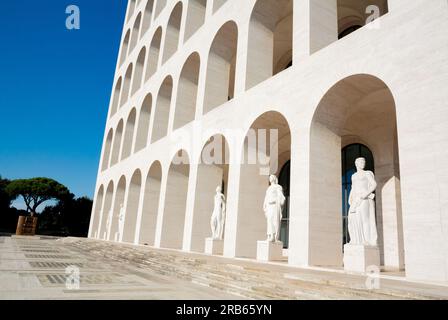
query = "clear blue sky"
{"x": 55, "y": 88}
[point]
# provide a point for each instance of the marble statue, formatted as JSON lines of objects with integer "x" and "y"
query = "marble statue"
{"x": 361, "y": 217}
{"x": 121, "y": 221}
{"x": 218, "y": 218}
{"x": 273, "y": 206}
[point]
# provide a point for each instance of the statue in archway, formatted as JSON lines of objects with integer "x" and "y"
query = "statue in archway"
{"x": 218, "y": 219}
{"x": 273, "y": 206}
{"x": 361, "y": 217}
{"x": 121, "y": 221}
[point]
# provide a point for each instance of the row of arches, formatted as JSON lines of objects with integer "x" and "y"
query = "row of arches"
{"x": 195, "y": 19}
{"x": 269, "y": 47}
{"x": 355, "y": 117}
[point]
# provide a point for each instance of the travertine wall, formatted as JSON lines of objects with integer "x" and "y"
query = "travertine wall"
{"x": 406, "y": 56}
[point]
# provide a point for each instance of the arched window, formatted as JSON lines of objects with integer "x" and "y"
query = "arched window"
{"x": 124, "y": 47}
{"x": 220, "y": 80}
{"x": 153, "y": 56}
{"x": 349, "y": 154}
{"x": 172, "y": 32}
{"x": 147, "y": 17}
{"x": 270, "y": 40}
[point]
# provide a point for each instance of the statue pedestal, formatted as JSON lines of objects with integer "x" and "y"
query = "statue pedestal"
{"x": 214, "y": 246}
{"x": 358, "y": 258}
{"x": 269, "y": 251}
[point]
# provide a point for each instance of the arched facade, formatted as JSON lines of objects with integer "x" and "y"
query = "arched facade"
{"x": 116, "y": 97}
{"x": 132, "y": 205}
{"x": 154, "y": 52}
{"x": 128, "y": 139}
{"x": 151, "y": 204}
{"x": 173, "y": 32}
{"x": 212, "y": 171}
{"x": 147, "y": 17}
{"x": 358, "y": 109}
{"x": 225, "y": 79}
{"x": 139, "y": 70}
{"x": 117, "y": 144}
{"x": 175, "y": 202}
{"x": 187, "y": 91}
{"x": 267, "y": 146}
{"x": 162, "y": 111}
{"x": 126, "y": 85}
{"x": 135, "y": 32}
{"x": 270, "y": 40}
{"x": 144, "y": 120}
{"x": 97, "y": 212}
{"x": 107, "y": 150}
{"x": 220, "y": 79}
{"x": 106, "y": 213}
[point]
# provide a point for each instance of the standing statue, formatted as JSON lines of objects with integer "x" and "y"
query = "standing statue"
{"x": 121, "y": 222}
{"x": 219, "y": 215}
{"x": 273, "y": 206}
{"x": 361, "y": 217}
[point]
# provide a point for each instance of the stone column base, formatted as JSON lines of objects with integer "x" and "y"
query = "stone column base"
{"x": 214, "y": 246}
{"x": 358, "y": 258}
{"x": 269, "y": 251}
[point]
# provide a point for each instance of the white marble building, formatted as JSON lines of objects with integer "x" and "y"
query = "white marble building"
{"x": 329, "y": 82}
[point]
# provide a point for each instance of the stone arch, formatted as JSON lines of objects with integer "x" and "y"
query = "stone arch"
{"x": 132, "y": 205}
{"x": 195, "y": 17}
{"x": 135, "y": 32}
{"x": 213, "y": 171}
{"x": 126, "y": 85}
{"x": 187, "y": 91}
{"x": 266, "y": 147}
{"x": 97, "y": 213}
{"x": 125, "y": 46}
{"x": 139, "y": 68}
{"x": 358, "y": 109}
{"x": 154, "y": 52}
{"x": 175, "y": 202}
{"x": 162, "y": 112}
{"x": 129, "y": 135}
{"x": 144, "y": 120}
{"x": 117, "y": 143}
{"x": 220, "y": 80}
{"x": 147, "y": 18}
{"x": 132, "y": 5}
{"x": 107, "y": 149}
{"x": 151, "y": 204}
{"x": 116, "y": 97}
{"x": 172, "y": 32}
{"x": 270, "y": 40}
{"x": 106, "y": 212}
{"x": 118, "y": 206}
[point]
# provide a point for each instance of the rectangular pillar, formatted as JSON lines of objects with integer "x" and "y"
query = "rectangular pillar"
{"x": 315, "y": 26}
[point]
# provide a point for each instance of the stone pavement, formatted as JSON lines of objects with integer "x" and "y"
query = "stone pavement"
{"x": 34, "y": 268}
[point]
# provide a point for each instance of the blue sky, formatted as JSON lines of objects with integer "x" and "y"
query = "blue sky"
{"x": 55, "y": 88}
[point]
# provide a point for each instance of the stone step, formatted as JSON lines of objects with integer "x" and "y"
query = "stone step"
{"x": 245, "y": 279}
